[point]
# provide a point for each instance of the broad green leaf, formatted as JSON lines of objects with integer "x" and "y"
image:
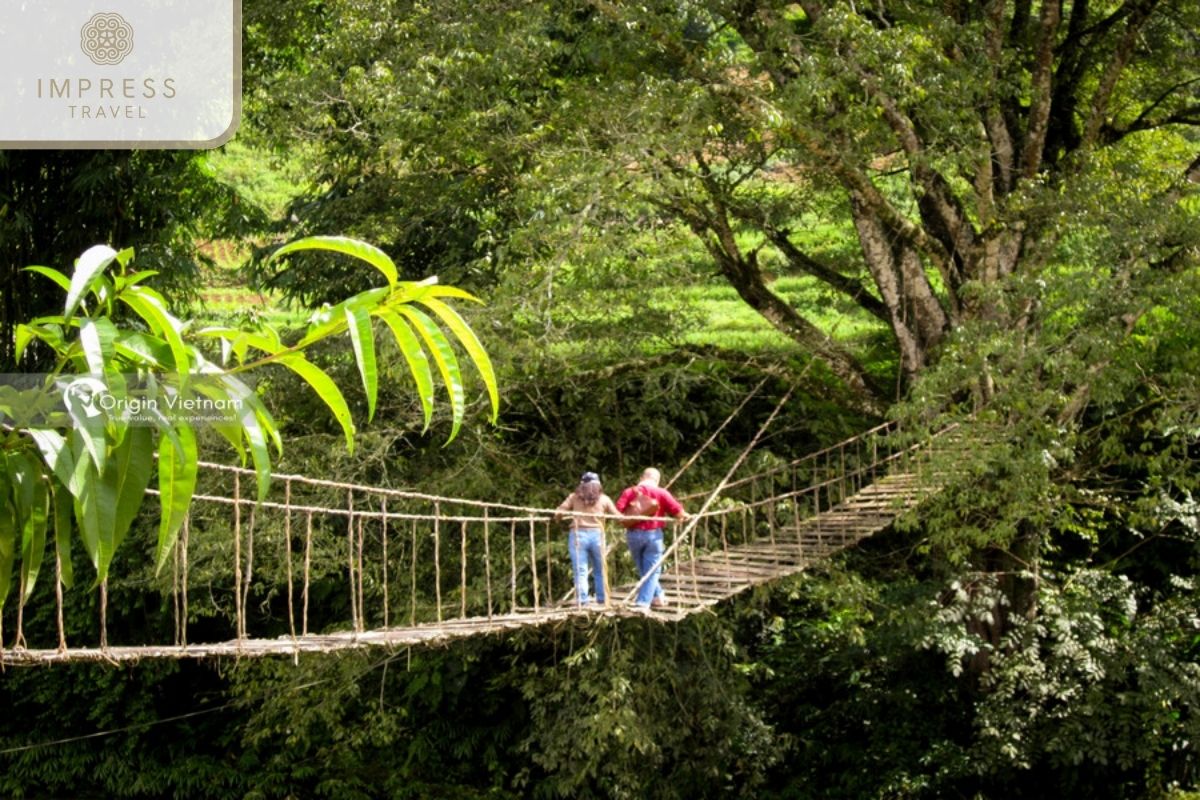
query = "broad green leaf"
{"x": 95, "y": 511}
{"x": 471, "y": 343}
{"x": 89, "y": 419}
{"x": 55, "y": 452}
{"x": 32, "y": 510}
{"x": 88, "y": 268}
{"x": 128, "y": 471}
{"x": 62, "y": 533}
{"x": 149, "y": 306}
{"x": 341, "y": 244}
{"x": 63, "y": 281}
{"x": 177, "y": 468}
{"x": 8, "y": 535}
{"x": 142, "y": 348}
{"x": 96, "y": 336}
{"x": 23, "y": 335}
{"x": 418, "y": 362}
{"x": 230, "y": 430}
{"x": 362, "y": 337}
{"x": 446, "y": 360}
{"x": 250, "y": 415}
{"x": 325, "y": 388}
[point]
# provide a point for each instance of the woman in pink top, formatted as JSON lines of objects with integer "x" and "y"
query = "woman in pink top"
{"x": 587, "y": 506}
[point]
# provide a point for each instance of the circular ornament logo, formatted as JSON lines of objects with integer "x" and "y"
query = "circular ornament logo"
{"x": 106, "y": 38}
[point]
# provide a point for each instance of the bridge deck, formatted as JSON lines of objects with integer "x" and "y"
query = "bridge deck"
{"x": 692, "y": 586}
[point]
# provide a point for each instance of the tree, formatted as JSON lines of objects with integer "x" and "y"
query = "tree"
{"x": 905, "y": 155}
{"x": 130, "y": 372}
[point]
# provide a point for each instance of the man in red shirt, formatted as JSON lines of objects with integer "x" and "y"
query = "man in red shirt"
{"x": 645, "y": 538}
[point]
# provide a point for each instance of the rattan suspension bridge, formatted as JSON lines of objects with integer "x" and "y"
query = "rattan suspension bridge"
{"x": 403, "y": 568}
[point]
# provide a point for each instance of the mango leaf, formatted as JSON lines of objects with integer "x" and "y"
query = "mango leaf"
{"x": 340, "y": 244}
{"x": 325, "y": 388}
{"x": 362, "y": 338}
{"x": 471, "y": 343}
{"x": 81, "y": 400}
{"x": 62, "y": 280}
{"x": 177, "y": 468}
{"x": 447, "y": 362}
{"x": 414, "y": 355}
{"x": 62, "y": 533}
{"x": 96, "y": 338}
{"x": 332, "y": 320}
{"x": 250, "y": 416}
{"x": 149, "y": 305}
{"x": 88, "y": 268}
{"x": 128, "y": 473}
{"x": 29, "y": 491}
{"x": 8, "y": 535}
{"x": 55, "y": 452}
{"x": 139, "y": 347}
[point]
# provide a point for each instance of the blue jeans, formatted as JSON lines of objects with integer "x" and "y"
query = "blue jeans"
{"x": 586, "y": 548}
{"x": 646, "y": 547}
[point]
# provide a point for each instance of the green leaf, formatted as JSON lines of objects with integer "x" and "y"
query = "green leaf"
{"x": 414, "y": 355}
{"x": 88, "y": 268}
{"x": 63, "y": 281}
{"x": 8, "y": 535}
{"x": 129, "y": 472}
{"x": 473, "y": 347}
{"x": 447, "y": 362}
{"x": 362, "y": 337}
{"x": 55, "y": 452}
{"x": 341, "y": 244}
{"x": 177, "y": 469}
{"x": 62, "y": 533}
{"x": 148, "y": 305}
{"x": 32, "y": 510}
{"x": 325, "y": 388}
{"x": 251, "y": 416}
{"x": 96, "y": 336}
{"x": 88, "y": 418}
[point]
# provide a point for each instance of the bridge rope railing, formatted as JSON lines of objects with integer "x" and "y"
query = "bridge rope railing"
{"x": 319, "y": 555}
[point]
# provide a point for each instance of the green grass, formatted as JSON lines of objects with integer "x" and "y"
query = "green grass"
{"x": 728, "y": 322}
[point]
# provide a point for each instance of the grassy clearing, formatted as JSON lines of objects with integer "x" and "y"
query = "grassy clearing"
{"x": 729, "y": 323}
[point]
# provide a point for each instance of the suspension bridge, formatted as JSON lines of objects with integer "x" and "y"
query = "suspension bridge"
{"x": 401, "y": 568}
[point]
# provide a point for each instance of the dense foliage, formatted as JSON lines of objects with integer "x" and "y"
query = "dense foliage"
{"x": 982, "y": 213}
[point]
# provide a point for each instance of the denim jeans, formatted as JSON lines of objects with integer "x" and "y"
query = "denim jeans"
{"x": 646, "y": 547}
{"x": 586, "y": 549}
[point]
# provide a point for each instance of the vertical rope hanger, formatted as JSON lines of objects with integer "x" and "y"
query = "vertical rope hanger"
{"x": 249, "y": 567}
{"x": 384, "y": 536}
{"x": 463, "y": 564}
{"x": 307, "y": 567}
{"x": 362, "y": 598}
{"x": 350, "y": 558}
{"x": 412, "y": 608}
{"x": 237, "y": 554}
{"x": 287, "y": 552}
{"x": 487, "y": 560}
{"x": 183, "y": 580}
{"x": 58, "y": 602}
{"x": 437, "y": 557}
{"x": 533, "y": 563}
